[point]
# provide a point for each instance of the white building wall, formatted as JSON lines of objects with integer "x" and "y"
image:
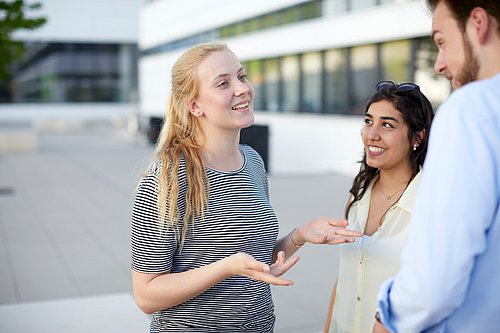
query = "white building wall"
{"x": 96, "y": 21}
{"x": 299, "y": 143}
{"x": 168, "y": 20}
{"x": 377, "y": 24}
{"x": 312, "y": 144}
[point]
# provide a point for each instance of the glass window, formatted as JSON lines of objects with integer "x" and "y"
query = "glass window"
{"x": 361, "y": 4}
{"x": 253, "y": 24}
{"x": 290, "y": 72}
{"x": 79, "y": 72}
{"x": 435, "y": 87}
{"x": 311, "y": 10}
{"x": 290, "y": 15}
{"x": 334, "y": 7}
{"x": 336, "y": 82}
{"x": 227, "y": 31}
{"x": 396, "y": 61}
{"x": 240, "y": 28}
{"x": 254, "y": 74}
{"x": 269, "y": 20}
{"x": 312, "y": 93}
{"x": 364, "y": 75}
{"x": 271, "y": 79}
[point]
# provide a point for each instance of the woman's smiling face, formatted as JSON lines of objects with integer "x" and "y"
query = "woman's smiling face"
{"x": 385, "y": 137}
{"x": 225, "y": 98}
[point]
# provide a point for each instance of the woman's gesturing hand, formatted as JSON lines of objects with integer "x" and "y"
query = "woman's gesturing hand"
{"x": 281, "y": 265}
{"x": 325, "y": 230}
{"x": 245, "y": 265}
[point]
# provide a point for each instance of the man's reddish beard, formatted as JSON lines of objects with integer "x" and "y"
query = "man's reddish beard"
{"x": 470, "y": 68}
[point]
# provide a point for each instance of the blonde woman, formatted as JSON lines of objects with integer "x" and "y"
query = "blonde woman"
{"x": 204, "y": 235}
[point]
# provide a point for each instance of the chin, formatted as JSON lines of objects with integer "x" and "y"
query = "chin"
{"x": 246, "y": 125}
{"x": 247, "y": 122}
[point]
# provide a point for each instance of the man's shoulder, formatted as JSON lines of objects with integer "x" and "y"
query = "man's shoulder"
{"x": 491, "y": 84}
{"x": 480, "y": 88}
{"x": 481, "y": 96}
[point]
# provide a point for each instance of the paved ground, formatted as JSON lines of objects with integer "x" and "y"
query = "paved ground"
{"x": 65, "y": 205}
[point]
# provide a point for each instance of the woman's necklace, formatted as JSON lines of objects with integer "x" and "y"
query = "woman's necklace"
{"x": 389, "y": 197}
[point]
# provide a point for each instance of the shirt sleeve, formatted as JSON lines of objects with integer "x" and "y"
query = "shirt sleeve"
{"x": 454, "y": 208}
{"x": 152, "y": 246}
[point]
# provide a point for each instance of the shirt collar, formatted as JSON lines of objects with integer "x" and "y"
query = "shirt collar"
{"x": 408, "y": 198}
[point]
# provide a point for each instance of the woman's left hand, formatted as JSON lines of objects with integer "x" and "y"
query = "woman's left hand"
{"x": 325, "y": 230}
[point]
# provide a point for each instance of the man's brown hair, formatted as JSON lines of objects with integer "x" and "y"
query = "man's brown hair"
{"x": 461, "y": 9}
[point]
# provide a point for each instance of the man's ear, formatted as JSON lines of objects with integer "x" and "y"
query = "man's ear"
{"x": 481, "y": 23}
{"x": 194, "y": 108}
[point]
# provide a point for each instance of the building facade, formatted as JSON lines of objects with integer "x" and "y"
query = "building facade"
{"x": 313, "y": 64}
{"x": 86, "y": 52}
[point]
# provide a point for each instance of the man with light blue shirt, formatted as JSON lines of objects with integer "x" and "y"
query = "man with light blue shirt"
{"x": 450, "y": 268}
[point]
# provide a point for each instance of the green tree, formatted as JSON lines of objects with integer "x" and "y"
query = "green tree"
{"x": 12, "y": 18}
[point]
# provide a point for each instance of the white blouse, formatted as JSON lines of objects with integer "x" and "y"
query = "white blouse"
{"x": 369, "y": 261}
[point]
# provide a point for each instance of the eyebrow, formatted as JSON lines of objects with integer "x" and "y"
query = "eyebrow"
{"x": 383, "y": 117}
{"x": 226, "y": 74}
{"x": 434, "y": 32}
{"x": 390, "y": 118}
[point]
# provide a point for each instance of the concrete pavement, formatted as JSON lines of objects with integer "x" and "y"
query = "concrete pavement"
{"x": 65, "y": 210}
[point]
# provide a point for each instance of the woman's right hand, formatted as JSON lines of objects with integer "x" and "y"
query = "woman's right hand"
{"x": 245, "y": 265}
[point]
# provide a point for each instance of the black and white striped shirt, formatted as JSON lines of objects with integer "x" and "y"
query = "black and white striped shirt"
{"x": 239, "y": 218}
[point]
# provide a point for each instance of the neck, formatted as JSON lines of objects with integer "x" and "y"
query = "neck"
{"x": 488, "y": 53}
{"x": 221, "y": 152}
{"x": 394, "y": 179}
{"x": 489, "y": 69}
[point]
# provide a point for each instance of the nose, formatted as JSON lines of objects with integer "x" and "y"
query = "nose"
{"x": 241, "y": 88}
{"x": 439, "y": 65}
{"x": 371, "y": 133}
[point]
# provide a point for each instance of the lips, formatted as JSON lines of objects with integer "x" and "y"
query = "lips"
{"x": 374, "y": 150}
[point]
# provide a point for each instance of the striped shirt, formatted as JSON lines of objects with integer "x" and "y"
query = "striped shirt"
{"x": 239, "y": 218}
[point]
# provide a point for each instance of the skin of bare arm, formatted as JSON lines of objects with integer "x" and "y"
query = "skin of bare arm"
{"x": 154, "y": 292}
{"x": 321, "y": 230}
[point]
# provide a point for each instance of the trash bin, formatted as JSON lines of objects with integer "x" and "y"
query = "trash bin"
{"x": 257, "y": 137}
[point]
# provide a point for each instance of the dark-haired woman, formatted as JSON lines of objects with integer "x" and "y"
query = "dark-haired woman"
{"x": 396, "y": 126}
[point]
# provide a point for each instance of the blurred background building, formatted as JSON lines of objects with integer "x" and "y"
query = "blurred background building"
{"x": 313, "y": 64}
{"x": 86, "y": 52}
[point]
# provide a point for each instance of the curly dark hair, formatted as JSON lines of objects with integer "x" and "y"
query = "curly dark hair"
{"x": 417, "y": 114}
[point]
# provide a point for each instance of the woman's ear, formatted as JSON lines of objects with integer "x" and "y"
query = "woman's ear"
{"x": 419, "y": 137}
{"x": 194, "y": 108}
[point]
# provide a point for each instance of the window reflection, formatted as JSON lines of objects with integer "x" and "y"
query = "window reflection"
{"x": 339, "y": 81}
{"x": 361, "y": 4}
{"x": 312, "y": 92}
{"x": 364, "y": 75}
{"x": 336, "y": 83}
{"x": 395, "y": 59}
{"x": 435, "y": 87}
{"x": 271, "y": 90}
{"x": 77, "y": 73}
{"x": 291, "y": 85}
{"x": 254, "y": 74}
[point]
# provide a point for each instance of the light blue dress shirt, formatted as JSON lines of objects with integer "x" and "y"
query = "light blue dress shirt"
{"x": 450, "y": 268}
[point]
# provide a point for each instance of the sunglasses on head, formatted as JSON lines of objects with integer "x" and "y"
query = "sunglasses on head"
{"x": 401, "y": 88}
{"x": 398, "y": 87}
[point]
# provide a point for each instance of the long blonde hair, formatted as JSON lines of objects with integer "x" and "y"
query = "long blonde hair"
{"x": 178, "y": 139}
